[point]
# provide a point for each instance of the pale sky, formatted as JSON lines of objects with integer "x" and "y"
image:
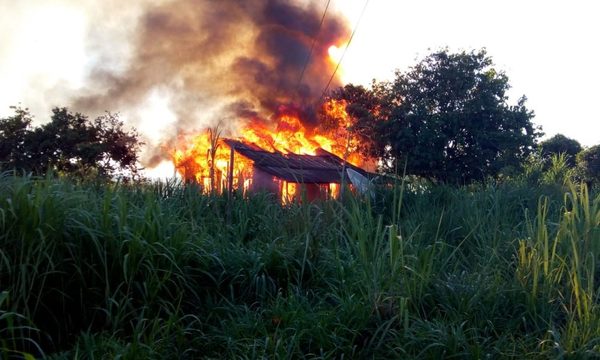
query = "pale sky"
{"x": 549, "y": 50}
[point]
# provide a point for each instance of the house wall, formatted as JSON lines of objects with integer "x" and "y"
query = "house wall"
{"x": 262, "y": 181}
{"x": 313, "y": 192}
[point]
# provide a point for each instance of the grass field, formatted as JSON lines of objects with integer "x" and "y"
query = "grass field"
{"x": 161, "y": 272}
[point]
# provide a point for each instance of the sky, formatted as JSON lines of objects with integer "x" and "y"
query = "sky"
{"x": 548, "y": 49}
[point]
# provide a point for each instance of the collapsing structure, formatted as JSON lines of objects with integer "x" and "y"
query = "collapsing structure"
{"x": 285, "y": 155}
{"x": 290, "y": 176}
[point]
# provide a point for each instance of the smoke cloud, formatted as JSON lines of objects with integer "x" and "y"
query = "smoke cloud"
{"x": 223, "y": 60}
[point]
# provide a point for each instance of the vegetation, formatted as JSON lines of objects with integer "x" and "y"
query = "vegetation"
{"x": 588, "y": 163}
{"x": 507, "y": 267}
{"x": 447, "y": 118}
{"x": 363, "y": 108}
{"x": 160, "y": 271}
{"x": 68, "y": 144}
{"x": 560, "y": 144}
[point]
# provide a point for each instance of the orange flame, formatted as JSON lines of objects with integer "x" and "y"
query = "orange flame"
{"x": 205, "y": 158}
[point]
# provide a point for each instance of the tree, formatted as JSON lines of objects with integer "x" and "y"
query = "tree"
{"x": 13, "y": 131}
{"x": 69, "y": 143}
{"x": 560, "y": 144}
{"x": 449, "y": 119}
{"x": 588, "y": 165}
{"x": 361, "y": 106}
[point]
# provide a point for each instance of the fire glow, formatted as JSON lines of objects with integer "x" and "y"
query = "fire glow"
{"x": 283, "y": 69}
{"x": 205, "y": 158}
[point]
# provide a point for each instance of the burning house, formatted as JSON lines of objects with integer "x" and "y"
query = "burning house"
{"x": 292, "y": 176}
{"x": 290, "y": 160}
{"x": 261, "y": 68}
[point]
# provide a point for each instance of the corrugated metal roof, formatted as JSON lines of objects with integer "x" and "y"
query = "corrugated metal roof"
{"x": 322, "y": 168}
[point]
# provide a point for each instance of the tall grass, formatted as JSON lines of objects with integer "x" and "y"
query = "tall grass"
{"x": 558, "y": 265}
{"x": 161, "y": 271}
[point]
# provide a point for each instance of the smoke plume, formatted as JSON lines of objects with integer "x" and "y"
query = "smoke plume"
{"x": 225, "y": 60}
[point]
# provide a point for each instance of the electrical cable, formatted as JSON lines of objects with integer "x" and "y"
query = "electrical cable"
{"x": 312, "y": 48}
{"x": 345, "y": 49}
{"x": 307, "y": 61}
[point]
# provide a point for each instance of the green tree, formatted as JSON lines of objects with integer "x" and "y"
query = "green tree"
{"x": 362, "y": 106}
{"x": 560, "y": 144}
{"x": 69, "y": 143}
{"x": 588, "y": 165}
{"x": 449, "y": 119}
{"x": 13, "y": 132}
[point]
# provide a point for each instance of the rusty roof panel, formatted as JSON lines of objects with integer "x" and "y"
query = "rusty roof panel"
{"x": 324, "y": 167}
{"x": 304, "y": 176}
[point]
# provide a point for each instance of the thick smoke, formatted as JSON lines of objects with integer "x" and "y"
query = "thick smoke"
{"x": 225, "y": 60}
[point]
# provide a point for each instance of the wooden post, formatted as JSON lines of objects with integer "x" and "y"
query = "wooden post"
{"x": 343, "y": 184}
{"x": 229, "y": 186}
{"x": 211, "y": 171}
{"x": 230, "y": 172}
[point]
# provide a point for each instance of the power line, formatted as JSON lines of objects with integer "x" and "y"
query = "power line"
{"x": 312, "y": 48}
{"x": 345, "y": 49}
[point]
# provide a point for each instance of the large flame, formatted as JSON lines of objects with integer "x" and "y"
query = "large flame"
{"x": 205, "y": 158}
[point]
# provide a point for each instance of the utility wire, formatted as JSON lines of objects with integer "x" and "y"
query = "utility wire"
{"x": 312, "y": 48}
{"x": 345, "y": 49}
{"x": 344, "y": 164}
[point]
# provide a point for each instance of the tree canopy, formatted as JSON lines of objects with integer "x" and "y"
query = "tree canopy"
{"x": 69, "y": 143}
{"x": 362, "y": 106}
{"x": 448, "y": 119}
{"x": 588, "y": 164}
{"x": 560, "y": 144}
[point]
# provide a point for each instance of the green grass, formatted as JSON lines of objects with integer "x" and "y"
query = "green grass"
{"x": 159, "y": 271}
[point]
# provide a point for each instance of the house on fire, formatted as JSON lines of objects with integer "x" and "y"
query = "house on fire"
{"x": 295, "y": 176}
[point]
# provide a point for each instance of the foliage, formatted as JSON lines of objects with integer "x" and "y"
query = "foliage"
{"x": 537, "y": 170}
{"x": 362, "y": 107}
{"x": 560, "y": 144}
{"x": 558, "y": 261}
{"x": 11, "y": 333}
{"x": 452, "y": 121}
{"x": 448, "y": 118}
{"x": 163, "y": 272}
{"x": 559, "y": 170}
{"x": 13, "y": 133}
{"x": 69, "y": 143}
{"x": 588, "y": 165}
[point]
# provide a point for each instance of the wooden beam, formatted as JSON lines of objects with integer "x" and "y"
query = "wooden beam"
{"x": 230, "y": 172}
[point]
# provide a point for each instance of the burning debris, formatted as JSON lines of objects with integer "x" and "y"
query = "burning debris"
{"x": 274, "y": 159}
